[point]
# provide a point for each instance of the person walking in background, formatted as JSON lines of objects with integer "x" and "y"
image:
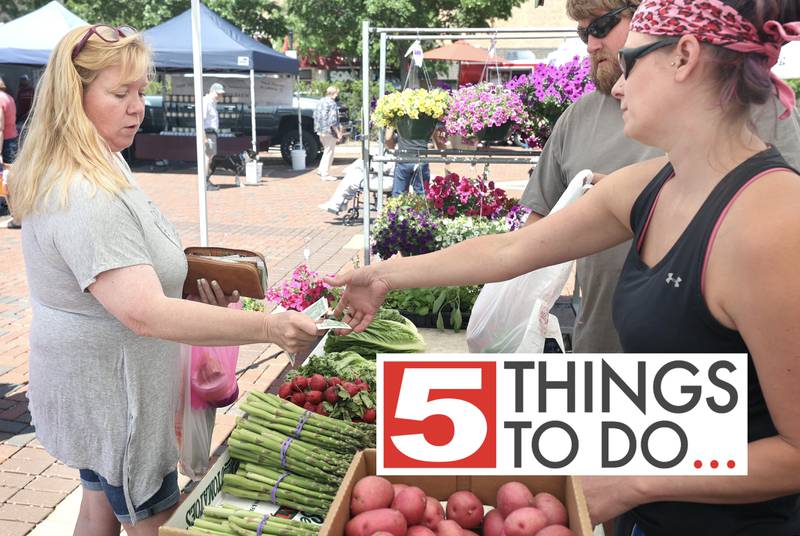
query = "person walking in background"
{"x": 105, "y": 272}
{"x": 327, "y": 127}
{"x": 211, "y": 128}
{"x": 24, "y": 99}
{"x": 8, "y": 124}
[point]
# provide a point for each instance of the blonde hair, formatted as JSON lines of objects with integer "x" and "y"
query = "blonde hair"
{"x": 60, "y": 141}
{"x": 331, "y": 91}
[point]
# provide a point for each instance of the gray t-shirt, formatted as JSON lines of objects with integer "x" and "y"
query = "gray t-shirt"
{"x": 101, "y": 397}
{"x": 589, "y": 135}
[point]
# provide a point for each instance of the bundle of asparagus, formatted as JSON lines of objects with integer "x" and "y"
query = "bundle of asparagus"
{"x": 230, "y": 521}
{"x": 282, "y": 416}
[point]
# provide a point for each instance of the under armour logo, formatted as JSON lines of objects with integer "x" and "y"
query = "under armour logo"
{"x": 674, "y": 280}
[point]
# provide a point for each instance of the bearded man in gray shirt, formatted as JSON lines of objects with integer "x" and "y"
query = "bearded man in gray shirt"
{"x": 589, "y": 135}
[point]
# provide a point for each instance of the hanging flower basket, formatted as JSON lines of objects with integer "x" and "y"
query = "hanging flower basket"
{"x": 416, "y": 129}
{"x": 475, "y": 108}
{"x": 495, "y": 133}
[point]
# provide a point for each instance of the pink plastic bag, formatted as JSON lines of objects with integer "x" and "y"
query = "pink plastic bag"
{"x": 213, "y": 376}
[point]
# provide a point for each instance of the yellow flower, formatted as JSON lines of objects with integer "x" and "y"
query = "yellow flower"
{"x": 411, "y": 103}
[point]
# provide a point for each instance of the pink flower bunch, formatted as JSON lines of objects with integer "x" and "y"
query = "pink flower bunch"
{"x": 474, "y": 108}
{"x": 302, "y": 290}
{"x": 453, "y": 195}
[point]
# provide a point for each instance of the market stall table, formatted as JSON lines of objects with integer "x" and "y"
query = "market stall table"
{"x": 161, "y": 147}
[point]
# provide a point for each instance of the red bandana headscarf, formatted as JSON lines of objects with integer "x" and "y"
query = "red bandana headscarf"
{"x": 713, "y": 22}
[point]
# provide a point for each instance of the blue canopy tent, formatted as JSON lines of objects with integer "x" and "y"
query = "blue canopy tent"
{"x": 29, "y": 39}
{"x": 225, "y": 47}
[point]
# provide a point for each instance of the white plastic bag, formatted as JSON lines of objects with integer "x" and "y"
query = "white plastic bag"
{"x": 193, "y": 427}
{"x": 514, "y": 316}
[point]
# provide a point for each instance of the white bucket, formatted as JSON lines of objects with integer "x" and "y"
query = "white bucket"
{"x": 253, "y": 172}
{"x": 298, "y": 159}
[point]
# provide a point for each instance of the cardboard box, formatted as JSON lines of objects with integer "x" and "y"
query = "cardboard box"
{"x": 209, "y": 492}
{"x": 566, "y": 488}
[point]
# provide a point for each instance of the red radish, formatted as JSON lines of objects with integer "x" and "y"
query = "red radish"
{"x": 331, "y": 394}
{"x": 358, "y": 381}
{"x": 363, "y": 387}
{"x": 315, "y": 397}
{"x": 317, "y": 382}
{"x": 351, "y": 388}
{"x": 285, "y": 390}
{"x": 369, "y": 416}
{"x": 300, "y": 383}
{"x": 321, "y": 409}
{"x": 334, "y": 380}
{"x": 309, "y": 406}
{"x": 298, "y": 399}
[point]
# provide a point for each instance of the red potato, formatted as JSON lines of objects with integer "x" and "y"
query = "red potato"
{"x": 398, "y": 488}
{"x": 513, "y": 496}
{"x": 371, "y": 493}
{"x": 411, "y": 503}
{"x": 434, "y": 513}
{"x": 552, "y": 508}
{"x": 448, "y": 527}
{"x": 382, "y": 519}
{"x": 493, "y": 523}
{"x": 465, "y": 508}
{"x": 555, "y": 530}
{"x": 524, "y": 522}
{"x": 419, "y": 530}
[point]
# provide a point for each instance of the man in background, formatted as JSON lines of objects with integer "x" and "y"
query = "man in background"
{"x": 327, "y": 127}
{"x": 211, "y": 127}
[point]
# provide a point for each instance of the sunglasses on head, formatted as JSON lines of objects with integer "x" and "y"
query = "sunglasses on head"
{"x": 602, "y": 25}
{"x": 109, "y": 34}
{"x": 628, "y": 56}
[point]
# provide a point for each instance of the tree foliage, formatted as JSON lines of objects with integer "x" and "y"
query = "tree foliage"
{"x": 325, "y": 26}
{"x": 262, "y": 18}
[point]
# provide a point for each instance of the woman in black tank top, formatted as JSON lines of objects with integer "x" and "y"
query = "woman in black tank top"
{"x": 714, "y": 261}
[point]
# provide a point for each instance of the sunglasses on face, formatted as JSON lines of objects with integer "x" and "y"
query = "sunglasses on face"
{"x": 628, "y": 56}
{"x": 602, "y": 25}
{"x": 109, "y": 34}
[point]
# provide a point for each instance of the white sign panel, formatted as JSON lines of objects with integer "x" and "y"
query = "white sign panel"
{"x": 578, "y": 414}
{"x": 270, "y": 90}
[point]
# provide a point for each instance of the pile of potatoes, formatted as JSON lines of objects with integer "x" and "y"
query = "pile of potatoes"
{"x": 380, "y": 508}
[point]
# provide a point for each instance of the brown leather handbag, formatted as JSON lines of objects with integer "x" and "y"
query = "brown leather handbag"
{"x": 233, "y": 269}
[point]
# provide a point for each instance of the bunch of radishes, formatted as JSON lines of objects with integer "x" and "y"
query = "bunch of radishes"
{"x": 321, "y": 395}
{"x": 380, "y": 508}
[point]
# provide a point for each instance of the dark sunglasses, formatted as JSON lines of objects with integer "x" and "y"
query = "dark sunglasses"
{"x": 628, "y": 56}
{"x": 109, "y": 34}
{"x": 602, "y": 25}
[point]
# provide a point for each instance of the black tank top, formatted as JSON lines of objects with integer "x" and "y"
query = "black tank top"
{"x": 662, "y": 309}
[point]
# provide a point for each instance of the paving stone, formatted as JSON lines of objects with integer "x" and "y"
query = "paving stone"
{"x": 52, "y": 484}
{"x": 14, "y": 528}
{"x": 23, "y": 438}
{"x": 13, "y": 413}
{"x": 30, "y": 453}
{"x": 23, "y": 512}
{"x": 61, "y": 470}
{"x": 15, "y": 480}
{"x": 6, "y": 492}
{"x": 6, "y": 451}
{"x": 33, "y": 497}
{"x": 21, "y": 465}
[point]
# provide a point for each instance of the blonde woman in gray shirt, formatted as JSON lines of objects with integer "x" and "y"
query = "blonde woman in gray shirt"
{"x": 105, "y": 271}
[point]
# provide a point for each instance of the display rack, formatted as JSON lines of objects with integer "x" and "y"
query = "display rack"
{"x": 480, "y": 155}
{"x": 179, "y": 117}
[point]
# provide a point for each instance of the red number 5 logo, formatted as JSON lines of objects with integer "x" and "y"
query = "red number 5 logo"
{"x": 439, "y": 414}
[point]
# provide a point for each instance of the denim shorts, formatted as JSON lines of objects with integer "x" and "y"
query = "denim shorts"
{"x": 166, "y": 497}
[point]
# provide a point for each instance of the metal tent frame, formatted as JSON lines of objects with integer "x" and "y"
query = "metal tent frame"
{"x": 483, "y": 156}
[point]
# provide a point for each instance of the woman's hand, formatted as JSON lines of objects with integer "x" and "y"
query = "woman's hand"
{"x": 609, "y": 496}
{"x": 364, "y": 292}
{"x": 212, "y": 294}
{"x": 292, "y": 331}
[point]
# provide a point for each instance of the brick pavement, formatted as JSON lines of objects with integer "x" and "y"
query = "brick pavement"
{"x": 279, "y": 217}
